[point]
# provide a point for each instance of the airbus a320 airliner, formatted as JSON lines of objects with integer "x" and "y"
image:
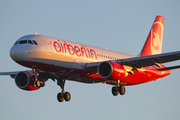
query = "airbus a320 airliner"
{"x": 61, "y": 60}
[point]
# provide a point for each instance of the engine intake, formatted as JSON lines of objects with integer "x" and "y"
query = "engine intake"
{"x": 112, "y": 71}
{"x": 24, "y": 80}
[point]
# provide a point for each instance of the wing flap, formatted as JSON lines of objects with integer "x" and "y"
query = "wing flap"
{"x": 169, "y": 68}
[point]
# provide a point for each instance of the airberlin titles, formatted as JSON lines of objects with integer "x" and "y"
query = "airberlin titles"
{"x": 79, "y": 51}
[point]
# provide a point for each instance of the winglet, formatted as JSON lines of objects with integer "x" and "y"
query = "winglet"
{"x": 153, "y": 44}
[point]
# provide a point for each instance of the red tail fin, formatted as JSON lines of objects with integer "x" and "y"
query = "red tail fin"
{"x": 153, "y": 44}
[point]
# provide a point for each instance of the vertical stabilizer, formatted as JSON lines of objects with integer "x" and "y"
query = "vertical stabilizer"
{"x": 153, "y": 44}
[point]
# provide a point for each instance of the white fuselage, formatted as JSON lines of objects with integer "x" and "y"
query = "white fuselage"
{"x": 60, "y": 53}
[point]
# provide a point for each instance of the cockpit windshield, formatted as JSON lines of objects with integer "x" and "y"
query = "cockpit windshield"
{"x": 30, "y": 42}
{"x": 33, "y": 42}
{"x": 17, "y": 42}
{"x": 23, "y": 42}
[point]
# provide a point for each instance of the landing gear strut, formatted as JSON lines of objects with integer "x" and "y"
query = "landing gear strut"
{"x": 63, "y": 95}
{"x": 37, "y": 82}
{"x": 118, "y": 89}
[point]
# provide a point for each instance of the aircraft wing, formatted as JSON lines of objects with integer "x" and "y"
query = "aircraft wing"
{"x": 12, "y": 74}
{"x": 145, "y": 61}
{"x": 42, "y": 73}
{"x": 138, "y": 62}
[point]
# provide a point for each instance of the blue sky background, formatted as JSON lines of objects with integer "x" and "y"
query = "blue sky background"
{"x": 119, "y": 25}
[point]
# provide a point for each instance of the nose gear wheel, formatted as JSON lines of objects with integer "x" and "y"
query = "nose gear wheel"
{"x": 37, "y": 82}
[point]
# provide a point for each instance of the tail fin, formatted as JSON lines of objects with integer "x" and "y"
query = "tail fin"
{"x": 153, "y": 44}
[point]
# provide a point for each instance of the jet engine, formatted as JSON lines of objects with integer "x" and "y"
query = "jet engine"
{"x": 112, "y": 71}
{"x": 24, "y": 80}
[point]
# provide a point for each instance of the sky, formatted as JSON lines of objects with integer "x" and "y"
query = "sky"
{"x": 119, "y": 25}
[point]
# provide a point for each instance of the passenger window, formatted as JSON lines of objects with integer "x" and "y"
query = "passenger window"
{"x": 16, "y": 42}
{"x": 34, "y": 42}
{"x": 30, "y": 42}
{"x": 23, "y": 42}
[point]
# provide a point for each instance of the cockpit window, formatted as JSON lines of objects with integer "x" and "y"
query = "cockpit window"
{"x": 34, "y": 42}
{"x": 23, "y": 42}
{"x": 30, "y": 42}
{"x": 16, "y": 42}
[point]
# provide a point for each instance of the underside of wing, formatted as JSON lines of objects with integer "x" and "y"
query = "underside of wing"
{"x": 12, "y": 74}
{"x": 139, "y": 62}
{"x": 145, "y": 61}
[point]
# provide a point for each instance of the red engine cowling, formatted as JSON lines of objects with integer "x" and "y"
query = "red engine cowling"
{"x": 24, "y": 80}
{"x": 112, "y": 71}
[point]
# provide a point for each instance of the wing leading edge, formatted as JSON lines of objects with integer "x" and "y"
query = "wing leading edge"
{"x": 12, "y": 74}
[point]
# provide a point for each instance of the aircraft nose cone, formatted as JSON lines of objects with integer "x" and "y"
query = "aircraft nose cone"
{"x": 14, "y": 54}
{"x": 18, "y": 53}
{"x": 21, "y": 52}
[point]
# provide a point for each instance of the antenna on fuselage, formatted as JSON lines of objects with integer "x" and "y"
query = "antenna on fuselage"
{"x": 36, "y": 32}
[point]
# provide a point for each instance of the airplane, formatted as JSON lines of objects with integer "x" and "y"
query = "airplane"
{"x": 61, "y": 60}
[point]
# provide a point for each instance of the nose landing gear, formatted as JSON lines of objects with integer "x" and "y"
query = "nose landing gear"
{"x": 37, "y": 82}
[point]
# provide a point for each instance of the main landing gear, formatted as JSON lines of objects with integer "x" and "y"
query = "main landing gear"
{"x": 118, "y": 89}
{"x": 37, "y": 82}
{"x": 63, "y": 95}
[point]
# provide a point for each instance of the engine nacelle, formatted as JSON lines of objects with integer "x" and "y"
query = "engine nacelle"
{"x": 24, "y": 80}
{"x": 112, "y": 71}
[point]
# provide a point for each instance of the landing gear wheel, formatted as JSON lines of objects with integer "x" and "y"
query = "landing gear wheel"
{"x": 60, "y": 97}
{"x": 38, "y": 83}
{"x": 63, "y": 95}
{"x": 67, "y": 96}
{"x": 122, "y": 90}
{"x": 115, "y": 91}
{"x": 33, "y": 83}
{"x": 42, "y": 84}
